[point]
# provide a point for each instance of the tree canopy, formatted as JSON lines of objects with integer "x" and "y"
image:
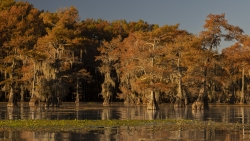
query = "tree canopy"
{"x": 55, "y": 55}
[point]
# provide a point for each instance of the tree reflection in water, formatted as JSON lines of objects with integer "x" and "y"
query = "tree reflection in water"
{"x": 95, "y": 111}
{"x": 198, "y": 114}
{"x": 128, "y": 134}
{"x": 152, "y": 114}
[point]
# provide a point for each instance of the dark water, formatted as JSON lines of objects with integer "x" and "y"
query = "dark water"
{"x": 95, "y": 111}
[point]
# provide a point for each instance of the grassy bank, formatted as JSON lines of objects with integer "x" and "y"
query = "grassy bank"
{"x": 86, "y": 125}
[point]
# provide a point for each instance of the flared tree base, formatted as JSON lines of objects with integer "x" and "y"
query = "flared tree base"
{"x": 126, "y": 101}
{"x": 12, "y": 104}
{"x": 106, "y": 102}
{"x": 198, "y": 105}
{"x": 33, "y": 102}
{"x": 152, "y": 105}
{"x": 179, "y": 104}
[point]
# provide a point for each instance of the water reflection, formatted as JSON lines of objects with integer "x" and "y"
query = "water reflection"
{"x": 95, "y": 111}
{"x": 152, "y": 114}
{"x": 129, "y": 134}
{"x": 198, "y": 114}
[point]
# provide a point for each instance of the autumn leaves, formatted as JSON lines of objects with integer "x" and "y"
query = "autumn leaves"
{"x": 46, "y": 54}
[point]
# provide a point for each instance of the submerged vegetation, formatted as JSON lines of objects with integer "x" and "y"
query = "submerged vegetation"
{"x": 87, "y": 125}
{"x": 54, "y": 57}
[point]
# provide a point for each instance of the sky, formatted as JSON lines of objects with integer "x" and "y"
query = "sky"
{"x": 190, "y": 14}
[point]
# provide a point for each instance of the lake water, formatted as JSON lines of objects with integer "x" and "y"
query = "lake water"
{"x": 95, "y": 111}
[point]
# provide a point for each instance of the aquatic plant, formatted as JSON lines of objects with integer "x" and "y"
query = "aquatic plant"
{"x": 87, "y": 125}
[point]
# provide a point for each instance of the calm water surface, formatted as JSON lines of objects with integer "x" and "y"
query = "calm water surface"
{"x": 95, "y": 111}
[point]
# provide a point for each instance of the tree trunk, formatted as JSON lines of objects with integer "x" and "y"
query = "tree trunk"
{"x": 106, "y": 88}
{"x": 33, "y": 82}
{"x": 33, "y": 99}
{"x": 127, "y": 100}
{"x": 185, "y": 98}
{"x": 242, "y": 96}
{"x": 152, "y": 105}
{"x": 77, "y": 92}
{"x": 106, "y": 99}
{"x": 232, "y": 98}
{"x": 179, "y": 102}
{"x": 201, "y": 102}
{"x": 81, "y": 55}
{"x": 158, "y": 97}
{"x": 22, "y": 94}
{"x": 12, "y": 102}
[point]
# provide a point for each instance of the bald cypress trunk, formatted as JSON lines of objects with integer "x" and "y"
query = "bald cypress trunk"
{"x": 12, "y": 100}
{"x": 33, "y": 99}
{"x": 202, "y": 101}
{"x": 179, "y": 102}
{"x": 242, "y": 96}
{"x": 152, "y": 105}
{"x": 107, "y": 89}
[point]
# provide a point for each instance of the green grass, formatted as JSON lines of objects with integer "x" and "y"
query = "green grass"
{"x": 87, "y": 125}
